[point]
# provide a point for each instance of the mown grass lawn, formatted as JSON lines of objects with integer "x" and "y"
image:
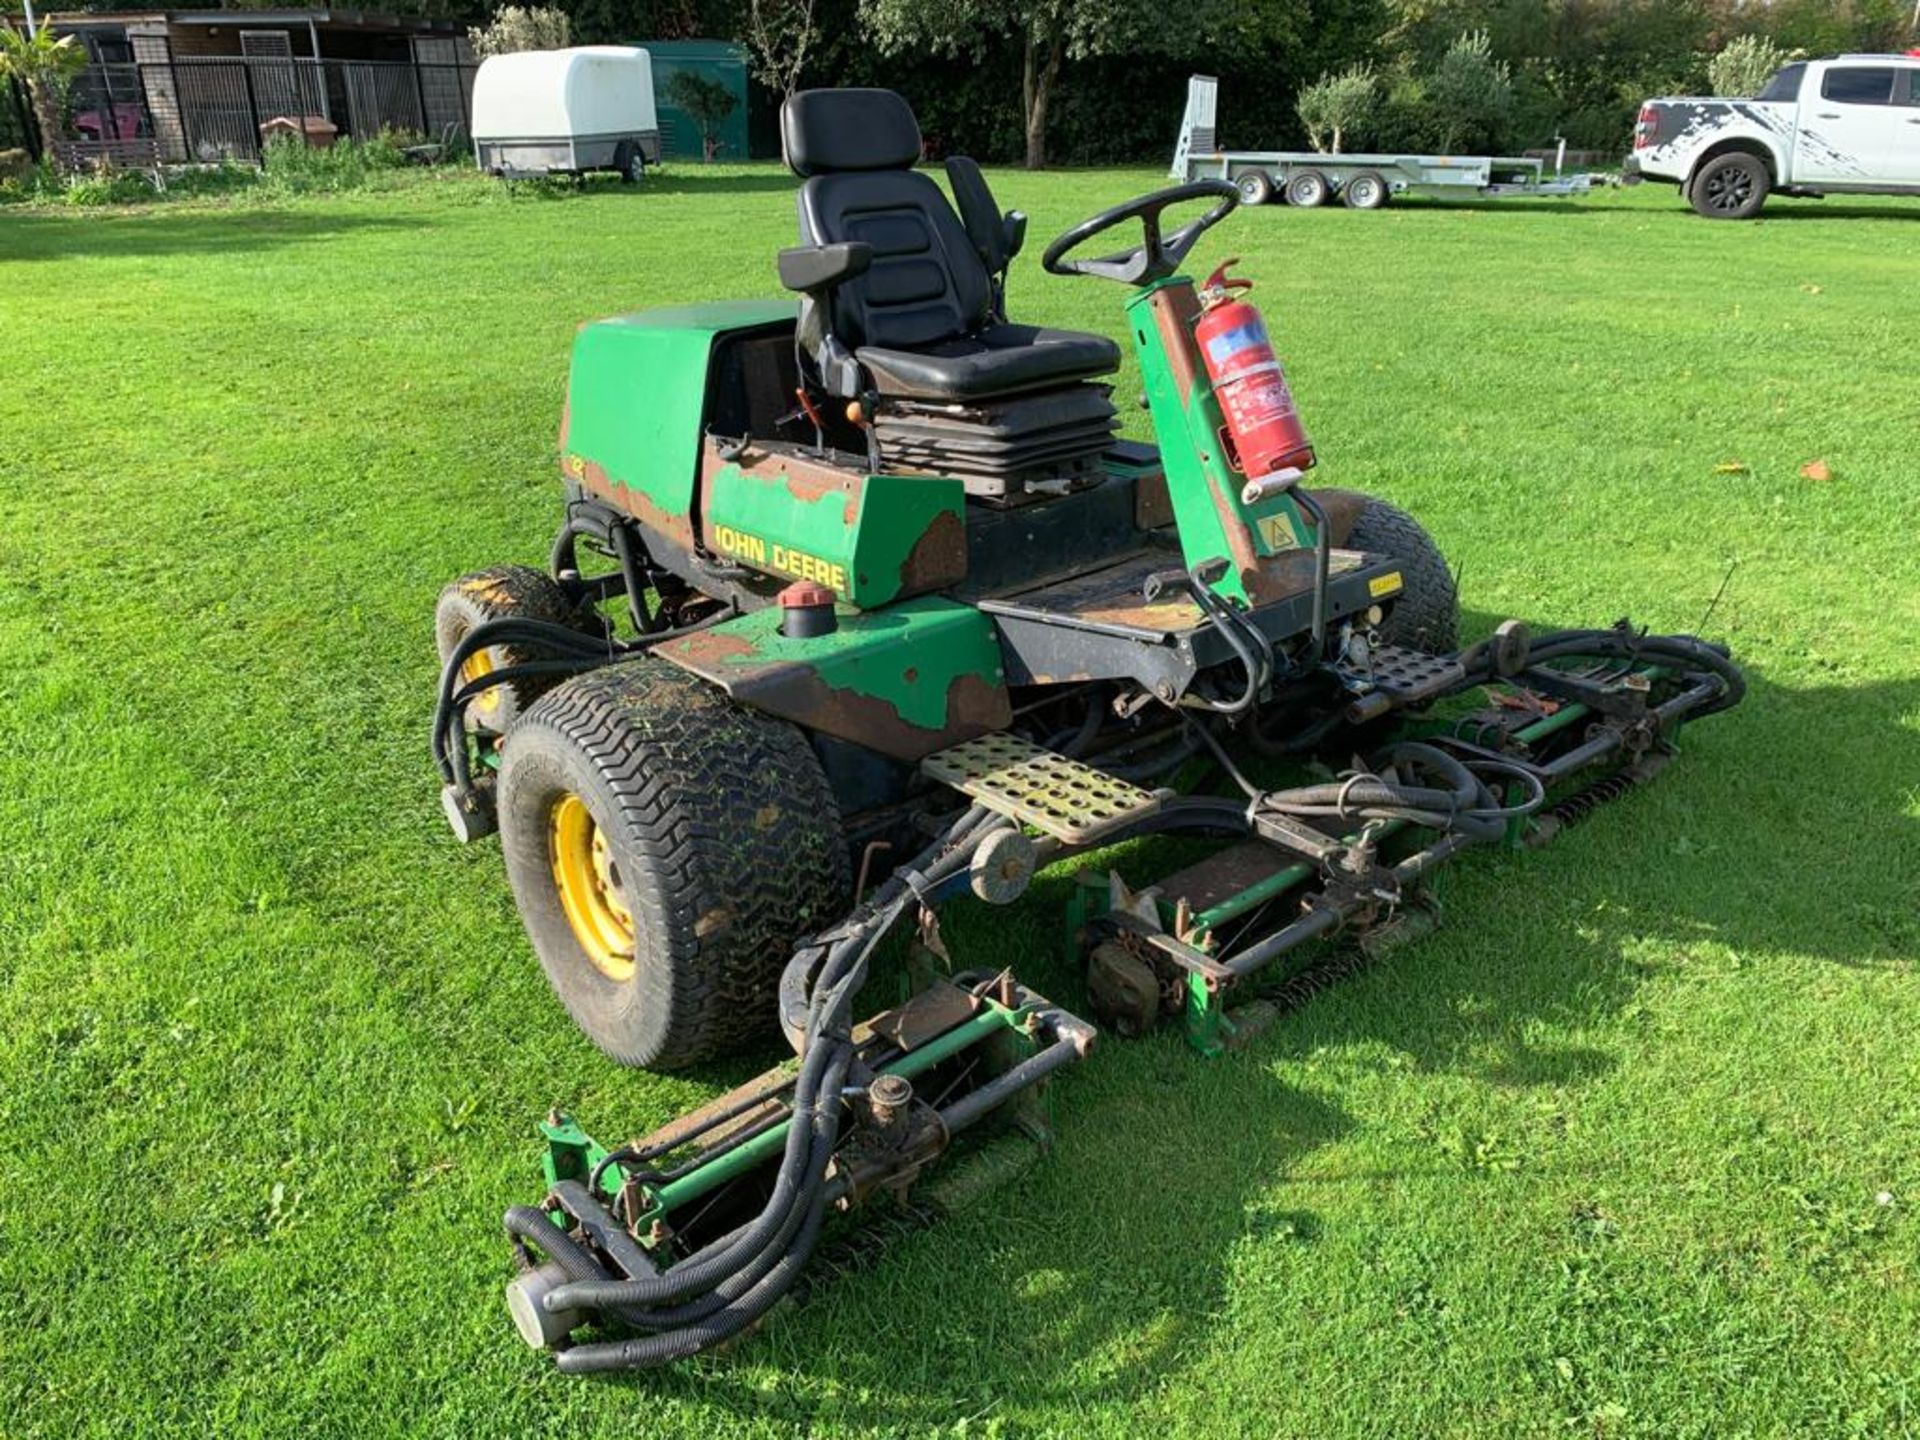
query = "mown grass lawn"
{"x": 1628, "y": 1149}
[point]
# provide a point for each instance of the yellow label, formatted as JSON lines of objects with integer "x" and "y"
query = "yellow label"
{"x": 1276, "y": 532}
{"x": 1383, "y": 585}
{"x": 573, "y": 466}
{"x": 781, "y": 559}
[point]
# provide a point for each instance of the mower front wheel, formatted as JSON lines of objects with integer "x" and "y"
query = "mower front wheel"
{"x": 667, "y": 849}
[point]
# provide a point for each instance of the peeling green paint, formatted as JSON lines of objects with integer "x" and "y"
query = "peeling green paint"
{"x": 1214, "y": 522}
{"x": 872, "y": 539}
{"x": 637, "y": 391}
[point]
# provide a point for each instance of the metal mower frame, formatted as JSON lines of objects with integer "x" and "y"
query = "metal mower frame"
{"x": 999, "y": 679}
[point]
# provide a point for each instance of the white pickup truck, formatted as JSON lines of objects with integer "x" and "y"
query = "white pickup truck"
{"x": 1847, "y": 125}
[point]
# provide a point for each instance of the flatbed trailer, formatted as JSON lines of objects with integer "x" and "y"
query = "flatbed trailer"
{"x": 1362, "y": 182}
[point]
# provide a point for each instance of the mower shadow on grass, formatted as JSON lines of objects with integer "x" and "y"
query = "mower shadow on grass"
{"x": 1175, "y": 1177}
{"x": 158, "y": 232}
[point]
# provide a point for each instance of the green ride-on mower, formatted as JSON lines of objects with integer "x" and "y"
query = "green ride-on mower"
{"x": 858, "y": 606}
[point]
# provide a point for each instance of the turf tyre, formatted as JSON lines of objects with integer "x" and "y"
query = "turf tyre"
{"x": 723, "y": 835}
{"x": 502, "y": 592}
{"x": 1426, "y": 614}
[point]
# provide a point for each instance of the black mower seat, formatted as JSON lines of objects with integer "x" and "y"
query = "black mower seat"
{"x": 920, "y": 317}
{"x": 994, "y": 361}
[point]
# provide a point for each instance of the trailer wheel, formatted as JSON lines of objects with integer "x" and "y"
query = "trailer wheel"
{"x": 1730, "y": 187}
{"x": 633, "y": 169}
{"x": 1426, "y": 614}
{"x": 501, "y": 593}
{"x": 667, "y": 849}
{"x": 1364, "y": 191}
{"x": 1307, "y": 188}
{"x": 1255, "y": 187}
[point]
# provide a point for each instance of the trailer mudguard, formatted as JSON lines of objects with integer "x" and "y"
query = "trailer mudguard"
{"x": 907, "y": 681}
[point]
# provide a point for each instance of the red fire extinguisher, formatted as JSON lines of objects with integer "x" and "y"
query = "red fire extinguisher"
{"x": 1264, "y": 432}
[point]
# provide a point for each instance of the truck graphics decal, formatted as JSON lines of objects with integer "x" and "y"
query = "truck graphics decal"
{"x": 1704, "y": 121}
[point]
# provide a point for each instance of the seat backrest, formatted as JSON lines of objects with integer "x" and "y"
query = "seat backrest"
{"x": 856, "y": 150}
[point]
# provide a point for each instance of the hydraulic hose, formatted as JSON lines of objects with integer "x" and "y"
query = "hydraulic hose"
{"x": 573, "y": 652}
{"x": 1460, "y": 804}
{"x": 727, "y": 1285}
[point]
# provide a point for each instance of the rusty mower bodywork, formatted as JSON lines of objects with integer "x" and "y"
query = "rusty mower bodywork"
{"x": 859, "y": 605}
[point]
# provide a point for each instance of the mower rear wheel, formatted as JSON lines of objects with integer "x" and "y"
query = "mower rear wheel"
{"x": 501, "y": 593}
{"x": 667, "y": 849}
{"x": 1426, "y": 614}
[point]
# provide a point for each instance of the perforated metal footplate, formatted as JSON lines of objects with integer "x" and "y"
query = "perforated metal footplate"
{"x": 1406, "y": 675}
{"x": 1070, "y": 801}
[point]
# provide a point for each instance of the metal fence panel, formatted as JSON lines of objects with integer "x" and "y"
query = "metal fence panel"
{"x": 205, "y": 109}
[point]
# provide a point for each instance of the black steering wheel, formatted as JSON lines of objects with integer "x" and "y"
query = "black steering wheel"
{"x": 1155, "y": 257}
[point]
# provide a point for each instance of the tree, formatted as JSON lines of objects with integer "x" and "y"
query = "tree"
{"x": 1471, "y": 94}
{"x": 46, "y": 64}
{"x": 780, "y": 36}
{"x": 707, "y": 103}
{"x": 1052, "y": 32}
{"x": 1745, "y": 65}
{"x": 1336, "y": 107}
{"x": 519, "y": 27}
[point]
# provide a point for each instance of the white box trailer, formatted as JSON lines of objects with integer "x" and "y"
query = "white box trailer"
{"x": 1362, "y": 182}
{"x": 566, "y": 112}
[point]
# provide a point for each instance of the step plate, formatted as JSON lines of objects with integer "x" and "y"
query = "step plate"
{"x": 1406, "y": 675}
{"x": 1061, "y": 797}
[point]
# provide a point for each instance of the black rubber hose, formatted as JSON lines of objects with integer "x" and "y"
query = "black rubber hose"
{"x": 647, "y": 1352}
{"x": 1687, "y": 650}
{"x": 733, "y": 1283}
{"x": 448, "y": 740}
{"x": 734, "y": 1251}
{"x": 1464, "y": 806}
{"x": 530, "y": 1224}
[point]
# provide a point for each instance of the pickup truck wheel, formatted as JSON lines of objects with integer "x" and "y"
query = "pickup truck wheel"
{"x": 1730, "y": 187}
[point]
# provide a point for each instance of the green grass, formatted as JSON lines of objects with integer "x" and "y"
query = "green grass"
{"x": 1606, "y": 1156}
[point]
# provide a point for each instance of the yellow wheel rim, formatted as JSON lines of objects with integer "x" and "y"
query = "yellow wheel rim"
{"x": 479, "y": 665}
{"x": 589, "y": 887}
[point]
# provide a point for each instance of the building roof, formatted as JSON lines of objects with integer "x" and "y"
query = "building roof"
{"x": 337, "y": 19}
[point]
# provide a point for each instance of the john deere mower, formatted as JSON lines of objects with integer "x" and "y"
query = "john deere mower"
{"x": 859, "y": 605}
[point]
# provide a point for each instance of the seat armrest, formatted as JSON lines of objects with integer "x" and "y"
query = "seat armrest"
{"x": 1015, "y": 224}
{"x": 812, "y": 269}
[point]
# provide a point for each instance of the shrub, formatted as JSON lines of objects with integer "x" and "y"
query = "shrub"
{"x": 521, "y": 27}
{"x": 296, "y": 167}
{"x": 108, "y": 187}
{"x": 1472, "y": 97}
{"x": 1339, "y": 108}
{"x": 1745, "y": 65}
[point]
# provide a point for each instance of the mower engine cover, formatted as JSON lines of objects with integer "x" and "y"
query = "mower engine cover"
{"x": 656, "y": 406}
